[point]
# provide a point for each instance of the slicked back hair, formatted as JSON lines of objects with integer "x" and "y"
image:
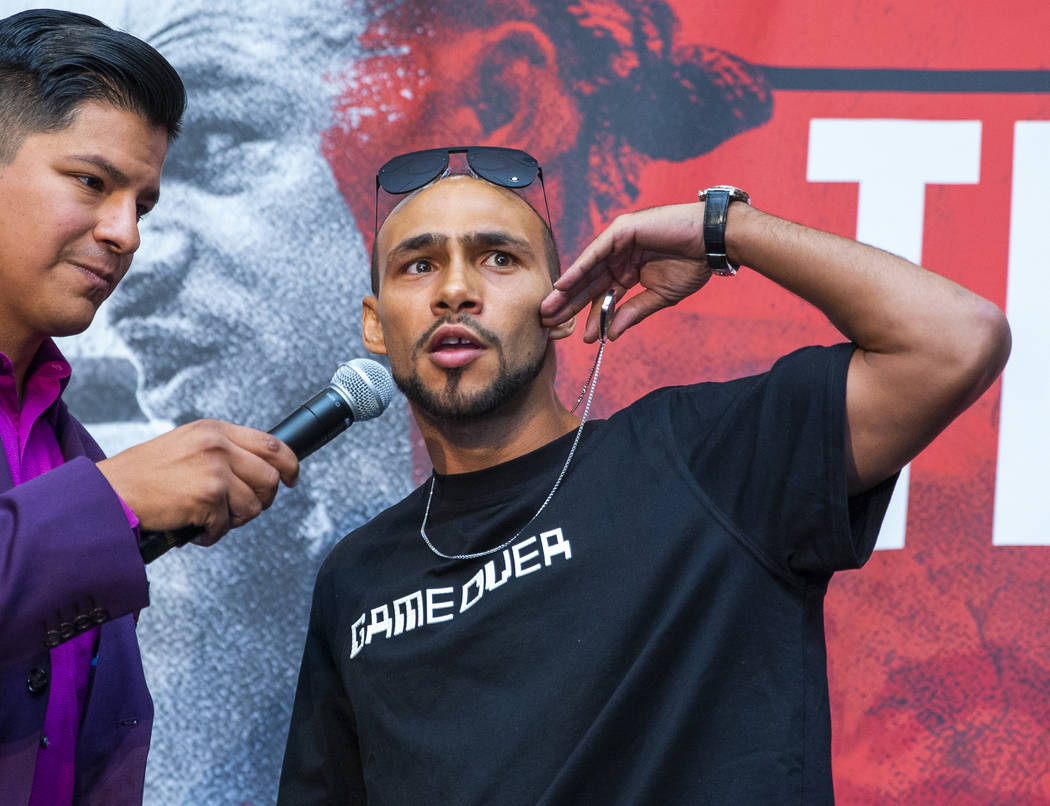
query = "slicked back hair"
{"x": 53, "y": 61}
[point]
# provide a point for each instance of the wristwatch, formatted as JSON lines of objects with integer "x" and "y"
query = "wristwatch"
{"x": 716, "y": 205}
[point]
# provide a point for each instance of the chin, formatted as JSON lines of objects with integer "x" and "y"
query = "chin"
{"x": 72, "y": 325}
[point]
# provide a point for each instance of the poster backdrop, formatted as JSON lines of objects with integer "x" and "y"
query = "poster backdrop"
{"x": 922, "y": 127}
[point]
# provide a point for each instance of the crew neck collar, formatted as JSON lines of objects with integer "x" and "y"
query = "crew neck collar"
{"x": 505, "y": 479}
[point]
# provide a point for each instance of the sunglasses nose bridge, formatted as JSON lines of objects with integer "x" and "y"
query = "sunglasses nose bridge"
{"x": 458, "y": 161}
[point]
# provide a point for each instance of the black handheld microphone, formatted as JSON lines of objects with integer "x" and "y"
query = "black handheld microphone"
{"x": 360, "y": 390}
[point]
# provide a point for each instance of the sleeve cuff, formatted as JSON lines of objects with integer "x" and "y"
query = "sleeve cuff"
{"x": 133, "y": 519}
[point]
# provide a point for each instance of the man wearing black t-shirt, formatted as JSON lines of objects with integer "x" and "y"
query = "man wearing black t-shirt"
{"x": 627, "y": 611}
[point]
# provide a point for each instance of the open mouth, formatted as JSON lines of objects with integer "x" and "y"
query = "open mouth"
{"x": 453, "y": 347}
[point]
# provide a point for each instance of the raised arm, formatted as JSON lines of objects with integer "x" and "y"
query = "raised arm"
{"x": 926, "y": 347}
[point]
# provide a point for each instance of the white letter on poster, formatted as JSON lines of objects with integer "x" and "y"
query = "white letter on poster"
{"x": 893, "y": 161}
{"x": 1021, "y": 516}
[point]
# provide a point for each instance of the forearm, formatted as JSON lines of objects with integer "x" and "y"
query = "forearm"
{"x": 881, "y": 302}
{"x": 66, "y": 550}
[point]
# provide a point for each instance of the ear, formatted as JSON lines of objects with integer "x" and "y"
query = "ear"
{"x": 524, "y": 99}
{"x": 371, "y": 329}
{"x": 564, "y": 329}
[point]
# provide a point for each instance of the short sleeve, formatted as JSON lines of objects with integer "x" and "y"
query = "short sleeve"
{"x": 769, "y": 452}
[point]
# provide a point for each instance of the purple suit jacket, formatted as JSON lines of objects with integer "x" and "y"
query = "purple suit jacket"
{"x": 69, "y": 562}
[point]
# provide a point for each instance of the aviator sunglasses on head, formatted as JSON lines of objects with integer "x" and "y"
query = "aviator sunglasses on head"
{"x": 506, "y": 167}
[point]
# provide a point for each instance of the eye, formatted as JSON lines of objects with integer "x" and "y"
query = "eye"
{"x": 90, "y": 182}
{"x": 222, "y": 157}
{"x": 418, "y": 267}
{"x": 500, "y": 260}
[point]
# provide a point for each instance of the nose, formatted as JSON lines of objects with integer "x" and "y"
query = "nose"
{"x": 458, "y": 289}
{"x": 117, "y": 226}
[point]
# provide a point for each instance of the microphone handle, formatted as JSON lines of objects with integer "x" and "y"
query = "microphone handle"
{"x": 309, "y": 427}
{"x": 315, "y": 423}
{"x": 153, "y": 544}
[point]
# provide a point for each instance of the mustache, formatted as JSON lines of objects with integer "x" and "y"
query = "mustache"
{"x": 463, "y": 319}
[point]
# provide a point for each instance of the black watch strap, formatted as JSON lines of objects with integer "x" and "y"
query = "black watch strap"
{"x": 716, "y": 206}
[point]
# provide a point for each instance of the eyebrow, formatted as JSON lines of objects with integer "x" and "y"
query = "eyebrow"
{"x": 417, "y": 242}
{"x": 495, "y": 239}
{"x": 117, "y": 176}
{"x": 490, "y": 240}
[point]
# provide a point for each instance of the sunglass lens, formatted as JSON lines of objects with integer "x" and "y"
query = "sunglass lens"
{"x": 504, "y": 166}
{"x": 410, "y": 171}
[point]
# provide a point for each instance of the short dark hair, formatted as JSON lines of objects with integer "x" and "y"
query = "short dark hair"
{"x": 52, "y": 61}
{"x": 550, "y": 247}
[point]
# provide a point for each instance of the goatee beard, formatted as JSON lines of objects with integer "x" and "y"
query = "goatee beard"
{"x": 451, "y": 404}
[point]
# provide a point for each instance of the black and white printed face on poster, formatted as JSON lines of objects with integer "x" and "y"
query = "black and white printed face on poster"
{"x": 242, "y": 304}
{"x": 910, "y": 126}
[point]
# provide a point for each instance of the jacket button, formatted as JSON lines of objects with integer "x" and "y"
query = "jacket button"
{"x": 52, "y": 639}
{"x": 37, "y": 682}
{"x": 83, "y": 623}
{"x": 99, "y": 615}
{"x": 44, "y": 741}
{"x": 65, "y": 630}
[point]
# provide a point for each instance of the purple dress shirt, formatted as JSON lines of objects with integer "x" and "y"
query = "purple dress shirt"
{"x": 31, "y": 449}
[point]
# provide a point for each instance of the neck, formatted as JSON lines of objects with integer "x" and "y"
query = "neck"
{"x": 21, "y": 352}
{"x": 524, "y": 424}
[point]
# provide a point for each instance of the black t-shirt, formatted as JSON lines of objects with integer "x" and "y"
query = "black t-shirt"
{"x": 655, "y": 636}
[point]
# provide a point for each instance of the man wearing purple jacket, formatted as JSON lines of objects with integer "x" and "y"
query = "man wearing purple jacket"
{"x": 86, "y": 116}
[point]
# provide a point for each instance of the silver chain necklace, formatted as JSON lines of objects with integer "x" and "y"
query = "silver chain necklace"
{"x": 588, "y": 389}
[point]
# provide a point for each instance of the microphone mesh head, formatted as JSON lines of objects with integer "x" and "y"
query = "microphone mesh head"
{"x": 366, "y": 386}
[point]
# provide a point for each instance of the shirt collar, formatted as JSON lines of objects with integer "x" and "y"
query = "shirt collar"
{"x": 48, "y": 363}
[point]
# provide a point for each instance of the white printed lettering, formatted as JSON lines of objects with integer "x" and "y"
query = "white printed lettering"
{"x": 477, "y": 582}
{"x": 434, "y": 605}
{"x": 554, "y": 542}
{"x": 490, "y": 572}
{"x": 408, "y": 612}
{"x": 1020, "y": 517}
{"x": 357, "y": 636}
{"x": 520, "y": 569}
{"x": 380, "y": 623}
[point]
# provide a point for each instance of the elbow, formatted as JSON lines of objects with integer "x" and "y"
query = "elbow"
{"x": 984, "y": 349}
{"x": 995, "y": 339}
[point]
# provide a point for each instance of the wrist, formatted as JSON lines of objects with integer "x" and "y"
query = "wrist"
{"x": 718, "y": 201}
{"x": 739, "y": 221}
